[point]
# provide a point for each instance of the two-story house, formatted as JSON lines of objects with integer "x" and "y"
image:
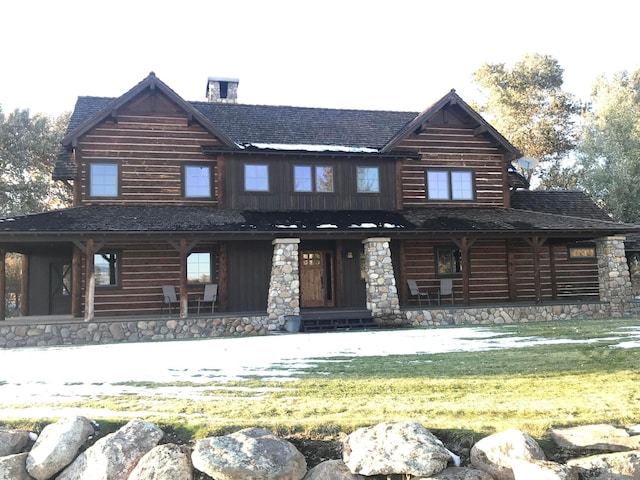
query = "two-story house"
{"x": 288, "y": 209}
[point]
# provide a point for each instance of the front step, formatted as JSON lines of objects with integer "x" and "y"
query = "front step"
{"x": 337, "y": 320}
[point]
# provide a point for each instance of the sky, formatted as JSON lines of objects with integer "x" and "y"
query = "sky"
{"x": 364, "y": 54}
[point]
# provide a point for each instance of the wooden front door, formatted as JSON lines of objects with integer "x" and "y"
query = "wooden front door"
{"x": 316, "y": 279}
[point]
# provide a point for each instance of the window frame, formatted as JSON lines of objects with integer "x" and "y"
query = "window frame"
{"x": 450, "y": 190}
{"x": 117, "y": 253}
{"x": 455, "y": 262}
{"x": 90, "y": 176}
{"x": 368, "y": 167}
{"x": 256, "y": 190}
{"x": 185, "y": 186}
{"x": 313, "y": 179}
{"x": 211, "y": 259}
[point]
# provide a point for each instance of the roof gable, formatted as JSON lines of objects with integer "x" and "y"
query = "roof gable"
{"x": 100, "y": 109}
{"x": 461, "y": 112}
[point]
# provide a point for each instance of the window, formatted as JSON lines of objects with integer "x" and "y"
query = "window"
{"x": 197, "y": 181}
{"x": 450, "y": 185}
{"x": 106, "y": 266}
{"x": 582, "y": 250}
{"x": 103, "y": 179}
{"x": 448, "y": 261}
{"x": 367, "y": 179}
{"x": 318, "y": 178}
{"x": 256, "y": 178}
{"x": 199, "y": 267}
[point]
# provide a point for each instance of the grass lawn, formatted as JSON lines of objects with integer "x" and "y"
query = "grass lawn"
{"x": 581, "y": 376}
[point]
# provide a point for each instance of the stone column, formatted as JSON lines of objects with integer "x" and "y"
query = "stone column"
{"x": 382, "y": 293}
{"x": 284, "y": 287}
{"x": 613, "y": 274}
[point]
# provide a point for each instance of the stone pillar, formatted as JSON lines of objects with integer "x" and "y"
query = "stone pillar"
{"x": 284, "y": 287}
{"x": 382, "y": 293}
{"x": 613, "y": 274}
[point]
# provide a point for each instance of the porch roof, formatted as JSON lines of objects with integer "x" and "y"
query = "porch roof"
{"x": 113, "y": 220}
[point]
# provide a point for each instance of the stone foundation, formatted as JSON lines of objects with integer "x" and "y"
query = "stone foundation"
{"x": 284, "y": 286}
{"x": 382, "y": 293}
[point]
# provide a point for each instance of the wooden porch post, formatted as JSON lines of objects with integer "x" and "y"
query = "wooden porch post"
{"x": 339, "y": 274}
{"x": 90, "y": 283}
{"x": 464, "y": 245}
{"x": 24, "y": 286}
{"x": 184, "y": 296}
{"x": 223, "y": 277}
{"x": 3, "y": 284}
{"x": 554, "y": 277}
{"x": 76, "y": 282}
{"x": 536, "y": 244}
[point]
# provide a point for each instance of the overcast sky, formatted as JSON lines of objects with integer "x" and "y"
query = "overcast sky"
{"x": 369, "y": 54}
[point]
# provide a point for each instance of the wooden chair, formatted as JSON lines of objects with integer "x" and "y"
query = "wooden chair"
{"x": 416, "y": 292}
{"x": 446, "y": 289}
{"x": 210, "y": 295}
{"x": 170, "y": 298}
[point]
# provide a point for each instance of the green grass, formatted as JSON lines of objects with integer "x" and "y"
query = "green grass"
{"x": 531, "y": 388}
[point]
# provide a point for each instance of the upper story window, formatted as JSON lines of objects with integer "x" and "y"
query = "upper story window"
{"x": 368, "y": 179}
{"x": 450, "y": 185}
{"x": 199, "y": 267}
{"x": 197, "y": 181}
{"x": 317, "y": 178}
{"x": 103, "y": 179}
{"x": 256, "y": 178}
{"x": 107, "y": 268}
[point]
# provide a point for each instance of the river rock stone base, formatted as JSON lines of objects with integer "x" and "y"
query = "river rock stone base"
{"x": 387, "y": 451}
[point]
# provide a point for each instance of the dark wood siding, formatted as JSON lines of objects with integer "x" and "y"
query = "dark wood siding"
{"x": 249, "y": 275}
{"x": 282, "y": 197}
{"x": 453, "y": 147}
{"x": 145, "y": 267}
{"x": 151, "y": 149}
{"x": 489, "y": 273}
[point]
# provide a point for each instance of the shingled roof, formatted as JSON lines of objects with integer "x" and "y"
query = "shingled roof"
{"x": 559, "y": 202}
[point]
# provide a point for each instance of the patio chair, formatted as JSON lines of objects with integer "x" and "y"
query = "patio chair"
{"x": 446, "y": 289}
{"x": 169, "y": 298}
{"x": 416, "y": 292}
{"x": 210, "y": 295}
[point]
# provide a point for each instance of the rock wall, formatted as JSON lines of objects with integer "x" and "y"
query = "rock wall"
{"x": 71, "y": 450}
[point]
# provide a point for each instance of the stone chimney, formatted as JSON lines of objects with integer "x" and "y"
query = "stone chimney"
{"x": 222, "y": 90}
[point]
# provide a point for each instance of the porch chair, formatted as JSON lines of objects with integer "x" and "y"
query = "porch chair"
{"x": 446, "y": 289}
{"x": 169, "y": 298}
{"x": 210, "y": 295}
{"x": 416, "y": 292}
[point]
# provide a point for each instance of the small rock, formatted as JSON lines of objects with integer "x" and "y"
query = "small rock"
{"x": 332, "y": 470}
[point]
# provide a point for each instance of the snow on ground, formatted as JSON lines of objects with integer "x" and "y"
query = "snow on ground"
{"x": 53, "y": 375}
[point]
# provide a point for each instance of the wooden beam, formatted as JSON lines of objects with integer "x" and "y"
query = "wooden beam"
{"x": 399, "y": 201}
{"x": 76, "y": 282}
{"x": 220, "y": 181}
{"x": 223, "y": 277}
{"x": 511, "y": 273}
{"x": 536, "y": 243}
{"x": 90, "y": 284}
{"x": 24, "y": 286}
{"x": 479, "y": 130}
{"x": 339, "y": 274}
{"x": 465, "y": 246}
{"x": 184, "y": 295}
{"x": 554, "y": 277}
{"x": 3, "y": 284}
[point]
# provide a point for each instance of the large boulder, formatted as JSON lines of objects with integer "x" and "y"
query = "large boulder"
{"x": 619, "y": 465}
{"x": 114, "y": 456}
{"x": 57, "y": 446}
{"x": 598, "y": 438}
{"x": 402, "y": 448}
{"x": 458, "y": 473}
{"x": 164, "y": 461}
{"x": 542, "y": 470}
{"x": 13, "y": 441}
{"x": 332, "y": 470}
{"x": 253, "y": 453}
{"x": 495, "y": 453}
{"x": 13, "y": 467}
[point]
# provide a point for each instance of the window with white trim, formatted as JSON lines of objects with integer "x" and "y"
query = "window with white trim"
{"x": 313, "y": 178}
{"x": 197, "y": 181}
{"x": 368, "y": 179}
{"x": 103, "y": 179}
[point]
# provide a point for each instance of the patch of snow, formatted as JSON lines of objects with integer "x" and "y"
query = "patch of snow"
{"x": 363, "y": 225}
{"x": 390, "y": 225}
{"x": 310, "y": 147}
{"x": 327, "y": 225}
{"x": 286, "y": 226}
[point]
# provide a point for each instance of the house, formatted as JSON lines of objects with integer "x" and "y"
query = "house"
{"x": 289, "y": 209}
